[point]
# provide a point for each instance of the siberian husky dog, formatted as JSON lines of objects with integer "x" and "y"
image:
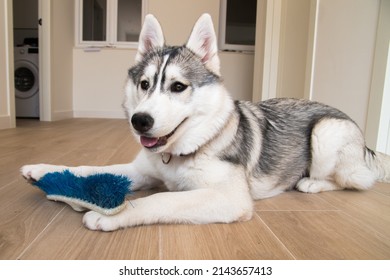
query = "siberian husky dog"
{"x": 215, "y": 155}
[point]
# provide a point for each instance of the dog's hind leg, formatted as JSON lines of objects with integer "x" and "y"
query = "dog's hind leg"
{"x": 352, "y": 171}
{"x": 337, "y": 158}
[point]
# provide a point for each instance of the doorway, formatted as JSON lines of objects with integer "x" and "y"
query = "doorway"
{"x": 26, "y": 59}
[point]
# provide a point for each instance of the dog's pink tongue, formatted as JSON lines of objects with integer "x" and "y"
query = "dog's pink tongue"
{"x": 148, "y": 142}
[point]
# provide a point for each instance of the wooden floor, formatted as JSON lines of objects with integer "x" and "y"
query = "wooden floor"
{"x": 332, "y": 225}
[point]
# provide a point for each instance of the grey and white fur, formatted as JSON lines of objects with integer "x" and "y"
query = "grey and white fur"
{"x": 215, "y": 155}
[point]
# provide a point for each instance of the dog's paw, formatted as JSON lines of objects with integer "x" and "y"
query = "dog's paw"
{"x": 308, "y": 185}
{"x": 96, "y": 221}
{"x": 35, "y": 172}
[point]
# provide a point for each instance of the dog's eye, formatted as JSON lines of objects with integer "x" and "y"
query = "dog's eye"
{"x": 178, "y": 87}
{"x": 145, "y": 85}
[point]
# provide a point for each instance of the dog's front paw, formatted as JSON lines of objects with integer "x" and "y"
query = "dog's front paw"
{"x": 96, "y": 221}
{"x": 35, "y": 172}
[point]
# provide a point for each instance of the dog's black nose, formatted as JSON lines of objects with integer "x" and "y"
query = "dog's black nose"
{"x": 142, "y": 122}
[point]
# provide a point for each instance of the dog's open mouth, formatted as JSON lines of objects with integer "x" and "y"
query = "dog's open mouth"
{"x": 155, "y": 142}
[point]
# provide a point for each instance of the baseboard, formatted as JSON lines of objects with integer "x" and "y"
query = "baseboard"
{"x": 62, "y": 115}
{"x": 100, "y": 114}
{"x": 6, "y": 122}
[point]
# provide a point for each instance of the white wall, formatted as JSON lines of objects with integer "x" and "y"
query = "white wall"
{"x": 7, "y": 100}
{"x": 98, "y": 77}
{"x": 344, "y": 44}
{"x": 293, "y": 43}
{"x": 98, "y": 82}
{"x": 282, "y": 35}
{"x": 62, "y": 42}
{"x": 237, "y": 74}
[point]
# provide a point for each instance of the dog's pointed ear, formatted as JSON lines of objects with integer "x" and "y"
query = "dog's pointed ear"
{"x": 203, "y": 42}
{"x": 151, "y": 37}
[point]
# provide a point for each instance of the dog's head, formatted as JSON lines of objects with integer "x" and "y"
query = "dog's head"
{"x": 175, "y": 101}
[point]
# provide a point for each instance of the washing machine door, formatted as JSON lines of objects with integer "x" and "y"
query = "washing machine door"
{"x": 26, "y": 79}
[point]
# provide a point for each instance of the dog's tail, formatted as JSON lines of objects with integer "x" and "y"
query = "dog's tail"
{"x": 379, "y": 163}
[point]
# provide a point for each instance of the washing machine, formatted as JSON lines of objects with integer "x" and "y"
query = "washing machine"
{"x": 26, "y": 81}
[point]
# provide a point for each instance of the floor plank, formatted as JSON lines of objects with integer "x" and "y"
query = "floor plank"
{"x": 247, "y": 240}
{"x": 67, "y": 238}
{"x": 326, "y": 235}
{"x": 24, "y": 214}
{"x": 293, "y": 201}
{"x": 367, "y": 207}
{"x": 45, "y": 144}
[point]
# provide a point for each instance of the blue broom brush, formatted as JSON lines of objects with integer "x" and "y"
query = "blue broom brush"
{"x": 103, "y": 192}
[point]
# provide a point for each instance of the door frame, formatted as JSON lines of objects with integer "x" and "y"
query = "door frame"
{"x": 44, "y": 13}
{"x": 378, "y": 117}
